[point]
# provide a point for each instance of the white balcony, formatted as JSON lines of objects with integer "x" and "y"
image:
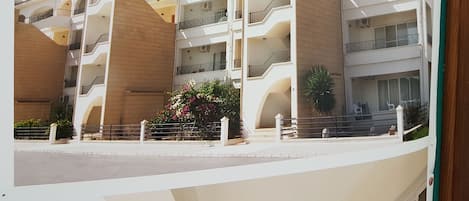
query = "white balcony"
{"x": 279, "y": 16}
{"x": 51, "y": 19}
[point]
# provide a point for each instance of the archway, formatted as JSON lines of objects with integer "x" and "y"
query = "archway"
{"x": 277, "y": 100}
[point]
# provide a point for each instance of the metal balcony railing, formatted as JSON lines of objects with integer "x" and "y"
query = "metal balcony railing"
{"x": 70, "y": 83}
{"x": 41, "y": 16}
{"x": 18, "y": 2}
{"x": 97, "y": 80}
{"x": 74, "y": 46}
{"x": 101, "y": 39}
{"x": 212, "y": 18}
{"x": 198, "y": 68}
{"x": 258, "y": 16}
{"x": 276, "y": 57}
{"x": 78, "y": 11}
{"x": 381, "y": 44}
{"x": 93, "y": 2}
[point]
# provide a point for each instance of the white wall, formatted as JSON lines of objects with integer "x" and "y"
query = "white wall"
{"x": 37, "y": 8}
{"x": 96, "y": 25}
{"x": 192, "y": 56}
{"x": 195, "y": 11}
{"x": 260, "y": 50}
{"x": 89, "y": 73}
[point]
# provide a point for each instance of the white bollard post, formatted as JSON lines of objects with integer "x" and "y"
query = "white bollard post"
{"x": 400, "y": 122}
{"x": 225, "y": 125}
{"x": 278, "y": 128}
{"x": 143, "y": 125}
{"x": 52, "y": 133}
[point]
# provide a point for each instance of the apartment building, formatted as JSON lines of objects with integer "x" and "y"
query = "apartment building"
{"x": 387, "y": 53}
{"x": 126, "y": 67}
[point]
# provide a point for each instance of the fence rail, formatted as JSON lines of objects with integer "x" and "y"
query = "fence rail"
{"x": 101, "y": 39}
{"x": 381, "y": 44}
{"x": 215, "y": 17}
{"x": 197, "y": 68}
{"x": 152, "y": 132}
{"x": 340, "y": 126}
{"x": 275, "y": 57}
{"x": 260, "y": 15}
{"x": 31, "y": 133}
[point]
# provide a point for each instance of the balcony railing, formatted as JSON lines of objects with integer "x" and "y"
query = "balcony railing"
{"x": 276, "y": 57}
{"x": 93, "y": 2}
{"x": 18, "y": 2}
{"x": 198, "y": 68}
{"x": 258, "y": 16}
{"x": 101, "y": 39}
{"x": 216, "y": 17}
{"x": 74, "y": 46}
{"x": 380, "y": 44}
{"x": 41, "y": 16}
{"x": 70, "y": 83}
{"x": 97, "y": 80}
{"x": 78, "y": 11}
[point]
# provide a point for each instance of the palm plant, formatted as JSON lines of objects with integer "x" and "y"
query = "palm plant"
{"x": 319, "y": 89}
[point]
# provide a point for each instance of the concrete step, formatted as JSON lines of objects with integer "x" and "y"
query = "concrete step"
{"x": 262, "y": 135}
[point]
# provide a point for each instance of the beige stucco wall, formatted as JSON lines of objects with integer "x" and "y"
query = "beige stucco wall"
{"x": 141, "y": 61}
{"x": 386, "y": 180}
{"x": 39, "y": 72}
{"x": 319, "y": 41}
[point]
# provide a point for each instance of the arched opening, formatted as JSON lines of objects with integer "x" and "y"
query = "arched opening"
{"x": 277, "y": 101}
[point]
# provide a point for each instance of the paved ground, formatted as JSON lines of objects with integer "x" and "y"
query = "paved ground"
{"x": 32, "y": 168}
{"x": 43, "y": 163}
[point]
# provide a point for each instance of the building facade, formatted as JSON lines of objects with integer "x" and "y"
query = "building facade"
{"x": 126, "y": 54}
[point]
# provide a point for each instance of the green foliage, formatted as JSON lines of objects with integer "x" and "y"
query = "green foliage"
{"x": 417, "y": 134}
{"x": 203, "y": 105}
{"x": 61, "y": 111}
{"x": 64, "y": 129}
{"x": 30, "y": 123}
{"x": 319, "y": 88}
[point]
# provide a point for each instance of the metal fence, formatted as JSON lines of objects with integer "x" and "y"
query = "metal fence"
{"x": 215, "y": 17}
{"x": 340, "y": 126}
{"x": 41, "y": 16}
{"x": 183, "y": 131}
{"x": 101, "y": 39}
{"x": 275, "y": 57}
{"x": 197, "y": 68}
{"x": 381, "y": 44}
{"x": 152, "y": 132}
{"x": 260, "y": 15}
{"x": 31, "y": 133}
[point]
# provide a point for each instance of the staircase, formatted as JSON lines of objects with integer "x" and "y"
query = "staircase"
{"x": 262, "y": 135}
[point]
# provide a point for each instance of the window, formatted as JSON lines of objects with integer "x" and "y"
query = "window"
{"x": 398, "y": 91}
{"x": 396, "y": 35}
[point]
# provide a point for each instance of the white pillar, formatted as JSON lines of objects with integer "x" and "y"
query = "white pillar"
{"x": 225, "y": 124}
{"x": 143, "y": 125}
{"x": 278, "y": 128}
{"x": 400, "y": 122}
{"x": 52, "y": 133}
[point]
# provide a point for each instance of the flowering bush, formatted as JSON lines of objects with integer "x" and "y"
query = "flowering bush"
{"x": 202, "y": 105}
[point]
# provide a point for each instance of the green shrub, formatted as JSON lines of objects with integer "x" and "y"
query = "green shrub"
{"x": 319, "y": 89}
{"x": 203, "y": 105}
{"x": 417, "y": 134}
{"x": 30, "y": 123}
{"x": 64, "y": 129}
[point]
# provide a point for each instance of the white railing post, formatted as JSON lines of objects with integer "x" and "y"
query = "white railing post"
{"x": 143, "y": 125}
{"x": 278, "y": 128}
{"x": 225, "y": 124}
{"x": 52, "y": 133}
{"x": 400, "y": 122}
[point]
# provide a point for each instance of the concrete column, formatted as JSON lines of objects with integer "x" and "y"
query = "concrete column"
{"x": 143, "y": 125}
{"x": 278, "y": 128}
{"x": 400, "y": 122}
{"x": 52, "y": 133}
{"x": 225, "y": 124}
